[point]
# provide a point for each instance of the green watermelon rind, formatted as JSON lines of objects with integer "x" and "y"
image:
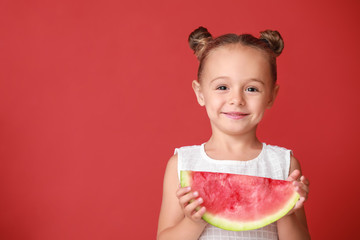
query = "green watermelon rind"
{"x": 223, "y": 223}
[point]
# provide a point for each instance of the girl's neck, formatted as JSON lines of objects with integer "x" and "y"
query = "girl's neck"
{"x": 233, "y": 147}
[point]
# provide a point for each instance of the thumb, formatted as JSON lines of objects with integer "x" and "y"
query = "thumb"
{"x": 294, "y": 175}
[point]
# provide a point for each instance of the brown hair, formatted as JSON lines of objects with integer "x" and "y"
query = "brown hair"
{"x": 270, "y": 42}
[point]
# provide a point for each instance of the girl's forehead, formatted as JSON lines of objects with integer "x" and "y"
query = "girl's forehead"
{"x": 237, "y": 52}
{"x": 237, "y": 61}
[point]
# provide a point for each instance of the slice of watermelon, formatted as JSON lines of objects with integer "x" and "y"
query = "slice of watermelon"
{"x": 240, "y": 202}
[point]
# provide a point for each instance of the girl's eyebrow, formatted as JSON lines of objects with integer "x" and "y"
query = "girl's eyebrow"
{"x": 218, "y": 78}
{"x": 248, "y": 80}
{"x": 256, "y": 80}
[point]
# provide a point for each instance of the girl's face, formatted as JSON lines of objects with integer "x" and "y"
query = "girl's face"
{"x": 236, "y": 88}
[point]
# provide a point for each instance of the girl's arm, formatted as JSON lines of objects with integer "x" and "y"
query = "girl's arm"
{"x": 173, "y": 224}
{"x": 294, "y": 226}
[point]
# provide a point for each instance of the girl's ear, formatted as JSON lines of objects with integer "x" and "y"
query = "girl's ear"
{"x": 198, "y": 93}
{"x": 273, "y": 96}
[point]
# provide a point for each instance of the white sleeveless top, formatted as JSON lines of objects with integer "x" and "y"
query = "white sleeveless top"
{"x": 272, "y": 162}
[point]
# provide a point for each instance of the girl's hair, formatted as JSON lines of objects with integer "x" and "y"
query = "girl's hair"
{"x": 270, "y": 42}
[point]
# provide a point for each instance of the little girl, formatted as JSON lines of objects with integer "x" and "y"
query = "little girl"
{"x": 236, "y": 84}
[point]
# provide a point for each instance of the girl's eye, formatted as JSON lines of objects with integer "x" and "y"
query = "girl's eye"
{"x": 222, "y": 88}
{"x": 252, "y": 89}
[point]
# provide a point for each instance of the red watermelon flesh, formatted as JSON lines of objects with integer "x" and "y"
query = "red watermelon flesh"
{"x": 240, "y": 202}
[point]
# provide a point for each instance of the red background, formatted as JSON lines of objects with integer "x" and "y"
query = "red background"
{"x": 95, "y": 96}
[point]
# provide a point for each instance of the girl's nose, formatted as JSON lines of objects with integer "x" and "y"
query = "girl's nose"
{"x": 237, "y": 98}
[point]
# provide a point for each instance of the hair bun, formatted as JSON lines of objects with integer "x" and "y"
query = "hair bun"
{"x": 198, "y": 40}
{"x": 274, "y": 39}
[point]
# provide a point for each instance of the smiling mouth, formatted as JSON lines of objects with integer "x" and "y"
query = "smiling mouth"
{"x": 235, "y": 115}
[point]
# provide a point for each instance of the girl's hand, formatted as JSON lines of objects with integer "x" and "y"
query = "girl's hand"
{"x": 190, "y": 203}
{"x": 301, "y": 186}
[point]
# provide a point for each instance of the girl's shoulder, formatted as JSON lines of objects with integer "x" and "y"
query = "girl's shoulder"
{"x": 276, "y": 146}
{"x": 188, "y": 149}
{"x": 277, "y": 149}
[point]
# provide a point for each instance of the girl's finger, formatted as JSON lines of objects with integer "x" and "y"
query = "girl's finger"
{"x": 301, "y": 185}
{"x": 191, "y": 207}
{"x": 304, "y": 180}
{"x": 294, "y": 175}
{"x": 182, "y": 191}
{"x": 184, "y": 200}
{"x": 198, "y": 214}
{"x": 299, "y": 203}
{"x": 303, "y": 194}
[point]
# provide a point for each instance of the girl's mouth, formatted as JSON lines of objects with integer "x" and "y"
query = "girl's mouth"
{"x": 235, "y": 115}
